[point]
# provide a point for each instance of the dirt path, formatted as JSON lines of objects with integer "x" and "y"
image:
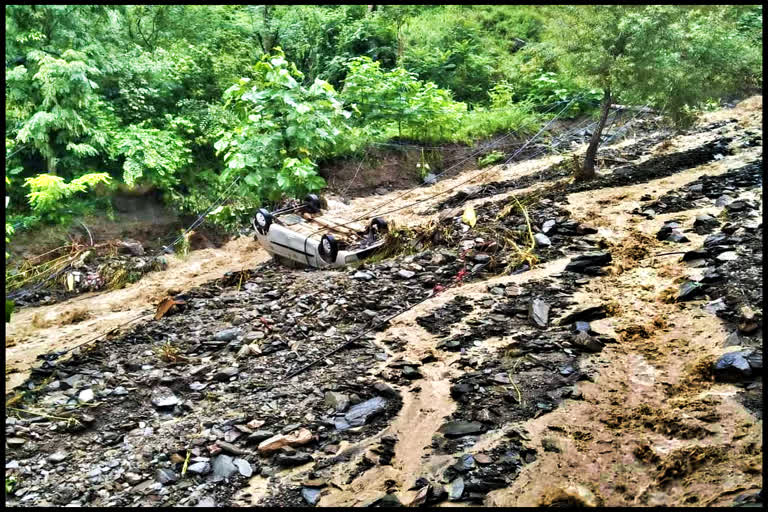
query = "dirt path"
{"x": 39, "y": 330}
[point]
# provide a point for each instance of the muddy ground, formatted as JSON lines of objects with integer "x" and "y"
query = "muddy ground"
{"x": 618, "y": 362}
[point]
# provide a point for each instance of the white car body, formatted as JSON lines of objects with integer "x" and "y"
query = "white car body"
{"x": 296, "y": 239}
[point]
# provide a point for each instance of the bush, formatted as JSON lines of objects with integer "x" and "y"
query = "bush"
{"x": 282, "y": 128}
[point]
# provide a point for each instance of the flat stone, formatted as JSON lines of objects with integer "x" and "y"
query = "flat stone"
{"x": 166, "y": 476}
{"x": 582, "y": 262}
{"x": 310, "y": 495}
{"x": 57, "y": 457}
{"x": 689, "y": 290}
{"x": 15, "y": 441}
{"x": 163, "y": 398}
{"x": 465, "y": 463}
{"x": 548, "y": 226}
{"x": 456, "y": 489}
{"x": 363, "y": 276}
{"x": 296, "y": 459}
{"x": 734, "y": 364}
{"x": 223, "y": 467}
{"x": 481, "y": 258}
{"x": 406, "y": 274}
{"x": 273, "y": 444}
{"x": 199, "y": 468}
{"x": 542, "y": 240}
{"x": 244, "y": 467}
{"x": 723, "y": 200}
{"x": 461, "y": 428}
{"x": 538, "y": 312}
{"x": 359, "y": 414}
{"x": 727, "y": 256}
{"x": 227, "y": 334}
{"x": 85, "y": 396}
{"x": 483, "y": 459}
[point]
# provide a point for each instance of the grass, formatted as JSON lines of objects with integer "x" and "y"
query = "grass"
{"x": 170, "y": 353}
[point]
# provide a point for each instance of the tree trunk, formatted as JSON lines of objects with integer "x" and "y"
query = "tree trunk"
{"x": 587, "y": 171}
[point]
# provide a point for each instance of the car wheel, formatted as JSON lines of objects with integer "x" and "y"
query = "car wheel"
{"x": 328, "y": 248}
{"x": 312, "y": 203}
{"x": 262, "y": 221}
{"x": 379, "y": 226}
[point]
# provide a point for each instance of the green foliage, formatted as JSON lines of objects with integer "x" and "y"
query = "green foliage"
{"x": 490, "y": 158}
{"x": 667, "y": 56}
{"x": 63, "y": 89}
{"x": 47, "y": 191}
{"x": 138, "y": 91}
{"x": 152, "y": 156}
{"x": 282, "y": 128}
{"x": 419, "y": 109}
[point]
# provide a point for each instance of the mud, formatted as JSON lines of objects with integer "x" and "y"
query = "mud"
{"x": 555, "y": 387}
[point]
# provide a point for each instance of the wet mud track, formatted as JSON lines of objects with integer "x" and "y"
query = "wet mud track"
{"x": 457, "y": 400}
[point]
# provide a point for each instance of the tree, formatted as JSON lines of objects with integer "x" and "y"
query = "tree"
{"x": 670, "y": 57}
{"x": 282, "y": 128}
{"x": 66, "y": 91}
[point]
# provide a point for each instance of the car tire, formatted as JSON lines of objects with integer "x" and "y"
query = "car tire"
{"x": 328, "y": 248}
{"x": 312, "y": 203}
{"x": 262, "y": 221}
{"x": 379, "y": 225}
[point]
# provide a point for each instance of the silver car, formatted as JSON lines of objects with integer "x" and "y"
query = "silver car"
{"x": 303, "y": 235}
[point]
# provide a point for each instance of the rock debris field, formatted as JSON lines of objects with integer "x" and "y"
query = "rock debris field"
{"x": 612, "y": 355}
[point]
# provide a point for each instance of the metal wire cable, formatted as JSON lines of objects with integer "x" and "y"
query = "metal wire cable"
{"x": 474, "y": 154}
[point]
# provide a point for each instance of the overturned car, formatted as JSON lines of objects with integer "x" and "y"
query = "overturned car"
{"x": 304, "y": 235}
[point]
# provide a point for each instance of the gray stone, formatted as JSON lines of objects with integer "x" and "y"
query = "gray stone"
{"x": 163, "y": 398}
{"x": 227, "y": 334}
{"x": 406, "y": 274}
{"x": 548, "y": 226}
{"x": 542, "y": 240}
{"x": 456, "y": 489}
{"x": 734, "y": 364}
{"x": 481, "y": 258}
{"x": 310, "y": 495}
{"x": 244, "y": 467}
{"x": 689, "y": 290}
{"x": 409, "y": 372}
{"x": 586, "y": 342}
{"x": 57, "y": 457}
{"x": 359, "y": 414}
{"x": 85, "y": 396}
{"x": 166, "y": 476}
{"x": 296, "y": 459}
{"x": 363, "y": 276}
{"x": 538, "y": 312}
{"x": 461, "y": 428}
{"x": 199, "y": 468}
{"x": 338, "y": 401}
{"x": 15, "y": 441}
{"x": 582, "y": 262}
{"x": 727, "y": 256}
{"x": 430, "y": 179}
{"x": 259, "y": 435}
{"x": 223, "y": 467}
{"x": 206, "y": 502}
{"x": 723, "y": 200}
{"x": 226, "y": 374}
{"x": 465, "y": 463}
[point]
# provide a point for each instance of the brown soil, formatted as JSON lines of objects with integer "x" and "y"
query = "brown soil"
{"x": 648, "y": 426}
